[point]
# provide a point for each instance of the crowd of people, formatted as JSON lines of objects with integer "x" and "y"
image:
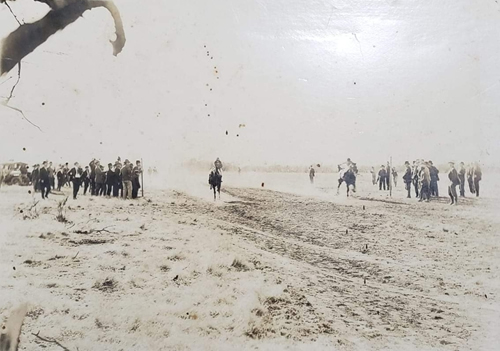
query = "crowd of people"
{"x": 424, "y": 177}
{"x": 119, "y": 180}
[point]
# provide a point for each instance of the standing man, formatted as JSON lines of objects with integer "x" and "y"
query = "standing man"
{"x": 127, "y": 180}
{"x": 67, "y": 176}
{"x": 86, "y": 180}
{"x": 75, "y": 175}
{"x": 454, "y": 181}
{"x": 136, "y": 185}
{"x": 425, "y": 181}
{"x": 44, "y": 180}
{"x": 118, "y": 185}
{"x": 60, "y": 178}
{"x": 35, "y": 178}
{"x": 110, "y": 179}
{"x": 407, "y": 178}
{"x": 478, "y": 175}
{"x": 415, "y": 179}
{"x": 52, "y": 178}
{"x": 382, "y": 174}
{"x": 311, "y": 174}
{"x": 434, "y": 172}
{"x": 470, "y": 178}
{"x": 92, "y": 165}
{"x": 461, "y": 177}
{"x": 100, "y": 179}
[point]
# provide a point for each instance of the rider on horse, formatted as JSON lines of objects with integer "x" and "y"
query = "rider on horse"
{"x": 216, "y": 171}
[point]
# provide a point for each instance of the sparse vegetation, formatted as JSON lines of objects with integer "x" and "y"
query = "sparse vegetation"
{"x": 239, "y": 266}
{"x": 107, "y": 285}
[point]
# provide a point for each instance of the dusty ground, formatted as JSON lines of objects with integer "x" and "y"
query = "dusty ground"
{"x": 260, "y": 269}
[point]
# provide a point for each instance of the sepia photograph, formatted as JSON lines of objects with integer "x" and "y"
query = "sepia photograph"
{"x": 249, "y": 175}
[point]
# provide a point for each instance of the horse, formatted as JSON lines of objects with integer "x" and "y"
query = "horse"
{"x": 215, "y": 181}
{"x": 349, "y": 177}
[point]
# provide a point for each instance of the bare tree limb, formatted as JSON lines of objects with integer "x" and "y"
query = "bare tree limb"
{"x": 54, "y": 341}
{"x": 27, "y": 37}
{"x": 13, "y": 14}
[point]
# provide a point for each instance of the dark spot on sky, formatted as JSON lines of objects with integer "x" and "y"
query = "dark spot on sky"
{"x": 216, "y": 71}
{"x": 217, "y": 77}
{"x": 206, "y": 105}
{"x": 227, "y": 132}
{"x": 204, "y": 46}
{"x": 210, "y": 89}
{"x": 209, "y": 115}
{"x": 24, "y": 149}
{"x": 211, "y": 58}
{"x": 100, "y": 142}
{"x": 29, "y": 191}
{"x": 262, "y": 185}
{"x": 354, "y": 83}
{"x": 14, "y": 268}
{"x": 43, "y": 103}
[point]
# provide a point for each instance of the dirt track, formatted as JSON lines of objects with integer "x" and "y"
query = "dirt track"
{"x": 362, "y": 274}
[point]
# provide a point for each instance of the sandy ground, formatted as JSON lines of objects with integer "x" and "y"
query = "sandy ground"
{"x": 288, "y": 266}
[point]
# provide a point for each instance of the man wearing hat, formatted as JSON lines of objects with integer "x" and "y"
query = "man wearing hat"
{"x": 127, "y": 180}
{"x": 35, "y": 176}
{"x": 461, "y": 176}
{"x": 136, "y": 185}
{"x": 454, "y": 181}
{"x": 75, "y": 175}
{"x": 434, "y": 172}
{"x": 118, "y": 180}
{"x": 86, "y": 179}
{"x": 382, "y": 174}
{"x": 110, "y": 179}
{"x": 425, "y": 181}
{"x": 407, "y": 178}
{"x": 44, "y": 180}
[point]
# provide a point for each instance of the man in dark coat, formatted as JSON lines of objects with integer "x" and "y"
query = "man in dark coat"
{"x": 136, "y": 173}
{"x": 100, "y": 180}
{"x": 86, "y": 179}
{"x": 434, "y": 172}
{"x": 454, "y": 181}
{"x": 478, "y": 175}
{"x": 407, "y": 179}
{"x": 382, "y": 174}
{"x": 415, "y": 180}
{"x": 92, "y": 165}
{"x": 75, "y": 174}
{"x": 470, "y": 178}
{"x": 44, "y": 180}
{"x": 52, "y": 175}
{"x": 35, "y": 178}
{"x": 461, "y": 177}
{"x": 110, "y": 179}
{"x": 118, "y": 189}
{"x": 60, "y": 178}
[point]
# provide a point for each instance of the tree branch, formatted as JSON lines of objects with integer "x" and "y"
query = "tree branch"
{"x": 54, "y": 341}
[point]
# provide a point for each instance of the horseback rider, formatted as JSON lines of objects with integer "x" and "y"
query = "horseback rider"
{"x": 216, "y": 171}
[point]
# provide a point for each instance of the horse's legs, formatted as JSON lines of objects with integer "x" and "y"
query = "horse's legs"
{"x": 214, "y": 192}
{"x": 338, "y": 187}
{"x": 218, "y": 190}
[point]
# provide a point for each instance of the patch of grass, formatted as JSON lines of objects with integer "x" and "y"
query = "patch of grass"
{"x": 107, "y": 285}
{"x": 164, "y": 268}
{"x": 239, "y": 266}
{"x": 176, "y": 257}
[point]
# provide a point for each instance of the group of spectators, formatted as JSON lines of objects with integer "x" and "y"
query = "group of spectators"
{"x": 118, "y": 180}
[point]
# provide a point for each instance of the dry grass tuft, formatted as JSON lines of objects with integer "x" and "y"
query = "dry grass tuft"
{"x": 239, "y": 266}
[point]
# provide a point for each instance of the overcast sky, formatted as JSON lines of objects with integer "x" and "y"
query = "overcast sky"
{"x": 312, "y": 81}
